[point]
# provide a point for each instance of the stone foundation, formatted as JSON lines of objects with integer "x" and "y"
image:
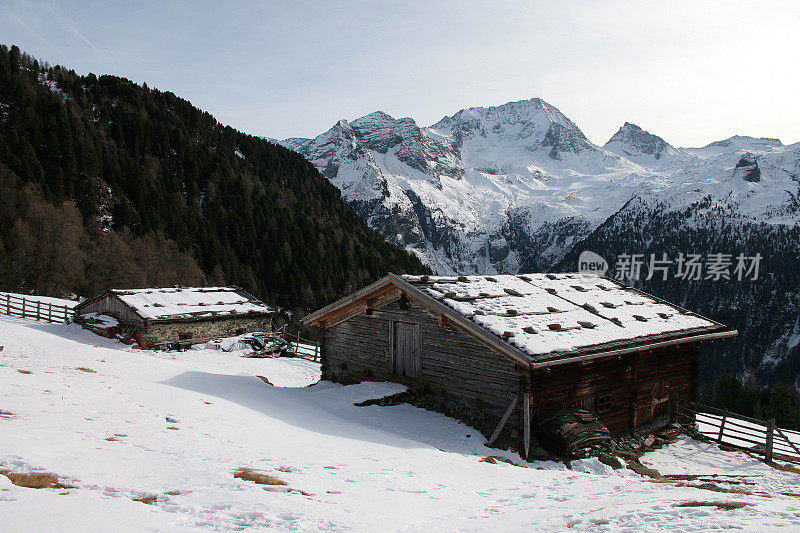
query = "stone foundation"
{"x": 158, "y": 333}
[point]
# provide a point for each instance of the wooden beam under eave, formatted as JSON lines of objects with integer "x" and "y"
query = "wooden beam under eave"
{"x": 345, "y": 313}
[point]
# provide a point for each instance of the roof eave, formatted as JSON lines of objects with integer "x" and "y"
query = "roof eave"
{"x": 642, "y": 347}
{"x": 312, "y": 319}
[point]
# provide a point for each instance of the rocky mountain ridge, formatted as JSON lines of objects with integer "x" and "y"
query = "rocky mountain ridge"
{"x": 519, "y": 187}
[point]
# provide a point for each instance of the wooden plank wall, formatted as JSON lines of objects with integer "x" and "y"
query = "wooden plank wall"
{"x": 467, "y": 376}
{"x": 112, "y": 306}
{"x": 679, "y": 365}
{"x": 629, "y": 379}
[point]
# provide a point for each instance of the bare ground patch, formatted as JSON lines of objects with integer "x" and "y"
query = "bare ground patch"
{"x": 6, "y": 414}
{"x": 36, "y": 480}
{"x": 149, "y": 499}
{"x": 21, "y": 371}
{"x": 725, "y": 506}
{"x": 261, "y": 478}
{"x": 86, "y": 369}
{"x": 784, "y": 467}
{"x": 494, "y": 459}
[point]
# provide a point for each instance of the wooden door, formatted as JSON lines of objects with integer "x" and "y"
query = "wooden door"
{"x": 407, "y": 349}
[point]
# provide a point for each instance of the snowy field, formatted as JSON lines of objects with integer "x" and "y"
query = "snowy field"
{"x": 117, "y": 425}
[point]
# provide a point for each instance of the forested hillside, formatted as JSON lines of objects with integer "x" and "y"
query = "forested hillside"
{"x": 107, "y": 183}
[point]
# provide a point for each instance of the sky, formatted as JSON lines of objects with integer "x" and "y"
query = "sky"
{"x": 691, "y": 72}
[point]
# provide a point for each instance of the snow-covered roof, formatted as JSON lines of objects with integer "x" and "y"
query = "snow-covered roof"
{"x": 176, "y": 303}
{"x": 543, "y": 314}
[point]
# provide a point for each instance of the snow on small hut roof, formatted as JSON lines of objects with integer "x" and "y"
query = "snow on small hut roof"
{"x": 545, "y": 313}
{"x": 190, "y": 302}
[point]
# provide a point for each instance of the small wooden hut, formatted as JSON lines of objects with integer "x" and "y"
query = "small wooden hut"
{"x": 501, "y": 352}
{"x": 161, "y": 316}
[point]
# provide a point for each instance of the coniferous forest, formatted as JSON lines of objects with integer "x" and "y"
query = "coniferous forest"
{"x": 105, "y": 183}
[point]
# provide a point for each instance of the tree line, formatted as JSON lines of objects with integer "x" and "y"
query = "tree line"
{"x": 106, "y": 183}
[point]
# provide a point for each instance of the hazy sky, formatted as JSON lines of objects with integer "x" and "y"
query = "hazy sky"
{"x": 691, "y": 72}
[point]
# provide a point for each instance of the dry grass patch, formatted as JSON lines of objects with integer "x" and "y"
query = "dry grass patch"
{"x": 37, "y": 480}
{"x": 287, "y": 469}
{"x": 642, "y": 470}
{"x": 173, "y": 427}
{"x": 785, "y": 467}
{"x": 87, "y": 370}
{"x": 726, "y": 506}
{"x": 150, "y": 499}
{"x": 708, "y": 486}
{"x": 265, "y": 380}
{"x": 494, "y": 459}
{"x": 172, "y": 492}
{"x": 599, "y": 521}
{"x": 249, "y": 474}
{"x": 172, "y": 420}
{"x": 6, "y": 414}
{"x": 24, "y": 371}
{"x": 113, "y": 438}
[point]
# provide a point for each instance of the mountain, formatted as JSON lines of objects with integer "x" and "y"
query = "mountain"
{"x": 642, "y": 147}
{"x": 104, "y": 182}
{"x": 519, "y": 187}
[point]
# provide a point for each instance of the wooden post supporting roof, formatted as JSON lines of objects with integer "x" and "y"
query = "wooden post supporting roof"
{"x": 526, "y": 422}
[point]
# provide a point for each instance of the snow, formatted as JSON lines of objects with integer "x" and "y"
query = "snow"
{"x": 484, "y": 169}
{"x": 545, "y": 313}
{"x": 783, "y": 439}
{"x": 359, "y": 468}
{"x": 189, "y": 302}
{"x": 103, "y": 321}
{"x": 691, "y": 457}
{"x": 43, "y": 299}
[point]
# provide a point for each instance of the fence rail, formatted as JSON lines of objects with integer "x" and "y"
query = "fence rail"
{"x": 762, "y": 437}
{"x": 305, "y": 348}
{"x": 26, "y": 308}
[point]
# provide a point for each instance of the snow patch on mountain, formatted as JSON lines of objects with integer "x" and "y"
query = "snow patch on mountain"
{"x": 492, "y": 189}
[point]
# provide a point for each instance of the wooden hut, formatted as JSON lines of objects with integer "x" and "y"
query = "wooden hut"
{"x": 161, "y": 316}
{"x": 501, "y": 352}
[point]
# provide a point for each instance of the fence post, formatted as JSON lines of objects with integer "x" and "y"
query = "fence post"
{"x": 23, "y": 307}
{"x": 38, "y": 310}
{"x": 8, "y": 304}
{"x": 721, "y": 428}
{"x": 770, "y": 430}
{"x": 50, "y": 313}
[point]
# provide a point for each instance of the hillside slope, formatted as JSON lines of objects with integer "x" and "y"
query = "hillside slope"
{"x": 105, "y": 182}
{"x": 172, "y": 429}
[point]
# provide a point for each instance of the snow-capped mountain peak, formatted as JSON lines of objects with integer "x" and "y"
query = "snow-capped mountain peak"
{"x": 534, "y": 122}
{"x": 640, "y": 146}
{"x": 514, "y": 186}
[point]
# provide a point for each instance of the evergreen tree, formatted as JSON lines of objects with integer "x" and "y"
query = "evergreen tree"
{"x": 107, "y": 183}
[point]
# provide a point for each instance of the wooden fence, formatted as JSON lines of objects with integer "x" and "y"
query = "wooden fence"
{"x": 762, "y": 437}
{"x": 305, "y": 348}
{"x": 26, "y": 308}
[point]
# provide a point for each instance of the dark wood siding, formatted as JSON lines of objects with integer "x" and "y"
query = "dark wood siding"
{"x": 474, "y": 384}
{"x": 465, "y": 374}
{"x": 629, "y": 380}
